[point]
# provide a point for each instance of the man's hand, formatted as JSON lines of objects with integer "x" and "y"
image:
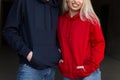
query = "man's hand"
{"x": 61, "y": 61}
{"x": 29, "y": 56}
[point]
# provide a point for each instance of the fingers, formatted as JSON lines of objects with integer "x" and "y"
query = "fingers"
{"x": 61, "y": 61}
{"x": 81, "y": 67}
{"x": 29, "y": 56}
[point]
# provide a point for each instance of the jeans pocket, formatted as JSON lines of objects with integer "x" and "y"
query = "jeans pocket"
{"x": 94, "y": 76}
{"x": 25, "y": 72}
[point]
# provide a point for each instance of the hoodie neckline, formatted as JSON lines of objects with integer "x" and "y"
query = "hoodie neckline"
{"x": 53, "y": 3}
{"x": 76, "y": 16}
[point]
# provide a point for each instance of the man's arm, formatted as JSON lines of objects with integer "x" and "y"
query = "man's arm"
{"x": 12, "y": 29}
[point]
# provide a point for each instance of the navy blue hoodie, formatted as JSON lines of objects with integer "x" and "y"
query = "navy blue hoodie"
{"x": 31, "y": 26}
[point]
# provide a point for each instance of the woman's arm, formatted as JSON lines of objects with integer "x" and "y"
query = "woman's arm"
{"x": 97, "y": 44}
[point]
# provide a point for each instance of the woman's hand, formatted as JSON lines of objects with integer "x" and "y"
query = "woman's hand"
{"x": 81, "y": 67}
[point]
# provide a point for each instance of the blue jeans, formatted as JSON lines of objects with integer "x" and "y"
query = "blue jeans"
{"x": 94, "y": 76}
{"x": 26, "y": 72}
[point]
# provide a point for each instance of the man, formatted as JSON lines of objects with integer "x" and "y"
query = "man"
{"x": 31, "y": 30}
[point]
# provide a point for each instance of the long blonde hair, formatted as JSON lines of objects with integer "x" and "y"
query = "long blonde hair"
{"x": 86, "y": 11}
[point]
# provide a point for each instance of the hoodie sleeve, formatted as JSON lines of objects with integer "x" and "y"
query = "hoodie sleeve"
{"x": 97, "y": 48}
{"x": 11, "y": 30}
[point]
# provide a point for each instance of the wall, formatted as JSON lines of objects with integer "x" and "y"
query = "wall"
{"x": 113, "y": 42}
{"x": 109, "y": 14}
{"x": 0, "y": 25}
{"x": 111, "y": 25}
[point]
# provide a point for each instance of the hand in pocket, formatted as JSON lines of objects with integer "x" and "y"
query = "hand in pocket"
{"x": 80, "y": 71}
{"x": 61, "y": 61}
{"x": 29, "y": 56}
{"x": 63, "y": 66}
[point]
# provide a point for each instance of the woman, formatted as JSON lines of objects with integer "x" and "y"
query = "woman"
{"x": 81, "y": 41}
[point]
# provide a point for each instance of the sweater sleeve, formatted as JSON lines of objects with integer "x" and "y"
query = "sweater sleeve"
{"x": 97, "y": 44}
{"x": 11, "y": 29}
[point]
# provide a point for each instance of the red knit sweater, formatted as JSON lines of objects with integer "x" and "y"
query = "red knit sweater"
{"x": 82, "y": 44}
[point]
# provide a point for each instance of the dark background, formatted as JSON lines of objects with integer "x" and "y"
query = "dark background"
{"x": 109, "y": 13}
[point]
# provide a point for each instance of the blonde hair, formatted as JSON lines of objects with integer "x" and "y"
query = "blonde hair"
{"x": 86, "y": 11}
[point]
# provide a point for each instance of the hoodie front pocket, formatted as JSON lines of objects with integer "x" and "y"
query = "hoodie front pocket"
{"x": 63, "y": 67}
{"x": 80, "y": 73}
{"x": 35, "y": 62}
